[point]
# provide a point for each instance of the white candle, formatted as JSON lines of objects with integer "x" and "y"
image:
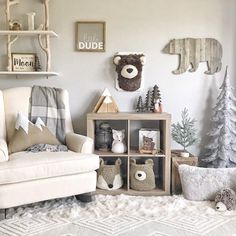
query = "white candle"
{"x": 31, "y": 16}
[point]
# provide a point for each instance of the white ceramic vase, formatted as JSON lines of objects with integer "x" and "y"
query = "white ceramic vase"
{"x": 31, "y": 16}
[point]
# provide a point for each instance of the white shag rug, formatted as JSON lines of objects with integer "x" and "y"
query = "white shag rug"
{"x": 119, "y": 215}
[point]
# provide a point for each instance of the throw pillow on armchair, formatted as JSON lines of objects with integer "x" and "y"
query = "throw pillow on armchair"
{"x": 28, "y": 134}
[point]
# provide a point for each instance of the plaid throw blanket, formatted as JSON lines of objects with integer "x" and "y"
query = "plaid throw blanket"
{"x": 47, "y": 148}
{"x": 47, "y": 103}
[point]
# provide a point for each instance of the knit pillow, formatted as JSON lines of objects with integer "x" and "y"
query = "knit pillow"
{"x": 200, "y": 184}
{"x": 28, "y": 134}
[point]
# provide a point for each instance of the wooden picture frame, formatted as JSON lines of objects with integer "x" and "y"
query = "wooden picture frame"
{"x": 90, "y": 36}
{"x": 23, "y": 62}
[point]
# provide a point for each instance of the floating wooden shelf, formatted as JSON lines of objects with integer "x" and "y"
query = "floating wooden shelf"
{"x": 29, "y": 73}
{"x": 28, "y": 32}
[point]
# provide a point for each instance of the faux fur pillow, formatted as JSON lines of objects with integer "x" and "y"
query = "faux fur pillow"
{"x": 203, "y": 183}
{"x": 28, "y": 134}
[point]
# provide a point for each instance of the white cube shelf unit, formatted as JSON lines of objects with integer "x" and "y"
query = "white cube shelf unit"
{"x": 132, "y": 123}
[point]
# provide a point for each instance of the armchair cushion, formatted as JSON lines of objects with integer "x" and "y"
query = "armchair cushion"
{"x": 27, "y": 166}
{"x": 79, "y": 143}
{"x": 3, "y": 151}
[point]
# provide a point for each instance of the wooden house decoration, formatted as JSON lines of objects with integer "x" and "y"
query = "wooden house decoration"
{"x": 106, "y": 103}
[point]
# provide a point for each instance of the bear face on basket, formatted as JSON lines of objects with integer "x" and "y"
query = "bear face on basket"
{"x": 109, "y": 175}
{"x": 142, "y": 176}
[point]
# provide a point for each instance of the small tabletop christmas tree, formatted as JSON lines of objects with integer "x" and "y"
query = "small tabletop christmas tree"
{"x": 221, "y": 151}
{"x": 148, "y": 102}
{"x": 139, "y": 107}
{"x": 156, "y": 99}
{"x": 184, "y": 132}
{"x": 156, "y": 94}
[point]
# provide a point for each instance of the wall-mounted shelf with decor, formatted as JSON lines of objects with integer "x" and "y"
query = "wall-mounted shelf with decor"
{"x": 28, "y": 65}
{"x": 28, "y": 32}
{"x": 132, "y": 123}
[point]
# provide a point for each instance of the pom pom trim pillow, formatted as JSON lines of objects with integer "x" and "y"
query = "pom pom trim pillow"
{"x": 200, "y": 184}
{"x": 28, "y": 134}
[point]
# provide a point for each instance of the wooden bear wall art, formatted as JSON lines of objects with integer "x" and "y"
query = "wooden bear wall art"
{"x": 192, "y": 51}
{"x": 129, "y": 68}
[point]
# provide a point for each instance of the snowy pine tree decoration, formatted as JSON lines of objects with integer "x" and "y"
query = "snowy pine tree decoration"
{"x": 221, "y": 151}
{"x": 148, "y": 102}
{"x": 184, "y": 132}
{"x": 139, "y": 107}
{"x": 156, "y": 100}
{"x": 156, "y": 94}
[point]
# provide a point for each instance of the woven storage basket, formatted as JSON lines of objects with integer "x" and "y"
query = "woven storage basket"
{"x": 142, "y": 176}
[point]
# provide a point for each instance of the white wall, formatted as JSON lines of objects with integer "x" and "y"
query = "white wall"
{"x": 134, "y": 25}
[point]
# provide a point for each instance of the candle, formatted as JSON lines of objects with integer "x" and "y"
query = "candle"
{"x": 31, "y": 16}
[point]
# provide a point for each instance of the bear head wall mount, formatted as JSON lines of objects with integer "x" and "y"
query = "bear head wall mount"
{"x": 192, "y": 51}
{"x": 129, "y": 68}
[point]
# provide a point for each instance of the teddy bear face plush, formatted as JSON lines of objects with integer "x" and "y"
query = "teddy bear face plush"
{"x": 129, "y": 70}
{"x": 148, "y": 143}
{"x": 142, "y": 175}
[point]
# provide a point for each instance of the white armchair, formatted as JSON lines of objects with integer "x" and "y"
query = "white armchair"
{"x": 31, "y": 177}
{"x": 3, "y": 151}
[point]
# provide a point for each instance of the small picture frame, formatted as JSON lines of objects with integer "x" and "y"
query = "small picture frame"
{"x": 23, "y": 62}
{"x": 152, "y": 134}
{"x": 90, "y": 36}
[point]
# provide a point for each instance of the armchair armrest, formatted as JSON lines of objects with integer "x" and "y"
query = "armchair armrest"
{"x": 3, "y": 151}
{"x": 79, "y": 143}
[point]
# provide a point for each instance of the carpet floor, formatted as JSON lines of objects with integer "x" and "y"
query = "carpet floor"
{"x": 119, "y": 215}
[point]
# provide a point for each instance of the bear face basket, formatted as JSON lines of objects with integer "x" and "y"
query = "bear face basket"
{"x": 142, "y": 177}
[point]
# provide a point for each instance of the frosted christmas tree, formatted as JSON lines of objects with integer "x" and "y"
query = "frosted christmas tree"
{"x": 222, "y": 147}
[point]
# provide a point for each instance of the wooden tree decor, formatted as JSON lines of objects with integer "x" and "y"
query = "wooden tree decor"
{"x": 192, "y": 51}
{"x": 106, "y": 103}
{"x": 46, "y": 44}
{"x": 10, "y": 39}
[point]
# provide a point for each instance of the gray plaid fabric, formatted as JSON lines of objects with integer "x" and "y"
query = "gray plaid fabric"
{"x": 47, "y": 103}
{"x": 47, "y": 148}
